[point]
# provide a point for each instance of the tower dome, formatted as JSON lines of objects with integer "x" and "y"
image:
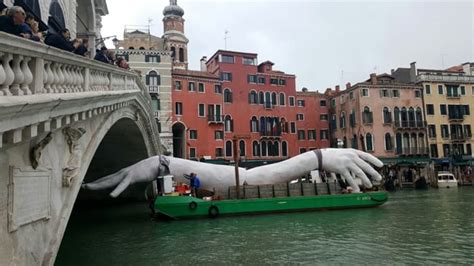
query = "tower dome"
{"x": 173, "y": 10}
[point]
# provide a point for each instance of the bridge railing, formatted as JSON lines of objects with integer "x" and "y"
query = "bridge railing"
{"x": 28, "y": 67}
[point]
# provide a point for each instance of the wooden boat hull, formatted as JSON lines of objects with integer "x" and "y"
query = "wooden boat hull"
{"x": 178, "y": 207}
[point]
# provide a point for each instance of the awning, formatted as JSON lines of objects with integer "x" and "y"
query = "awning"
{"x": 406, "y": 161}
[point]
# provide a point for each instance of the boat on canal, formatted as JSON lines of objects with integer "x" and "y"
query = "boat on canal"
{"x": 278, "y": 198}
{"x": 446, "y": 180}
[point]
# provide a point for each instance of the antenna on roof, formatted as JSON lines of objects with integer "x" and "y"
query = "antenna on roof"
{"x": 225, "y": 38}
{"x": 442, "y": 60}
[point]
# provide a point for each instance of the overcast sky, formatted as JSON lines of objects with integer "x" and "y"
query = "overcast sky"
{"x": 324, "y": 43}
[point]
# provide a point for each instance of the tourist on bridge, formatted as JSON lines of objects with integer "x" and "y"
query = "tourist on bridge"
{"x": 13, "y": 21}
{"x": 61, "y": 40}
{"x": 102, "y": 56}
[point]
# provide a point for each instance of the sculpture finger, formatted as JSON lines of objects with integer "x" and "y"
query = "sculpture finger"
{"x": 348, "y": 177}
{"x": 120, "y": 188}
{"x": 367, "y": 168}
{"x": 109, "y": 181}
{"x": 356, "y": 170}
{"x": 369, "y": 158}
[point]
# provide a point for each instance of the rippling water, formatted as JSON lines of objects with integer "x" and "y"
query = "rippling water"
{"x": 414, "y": 227}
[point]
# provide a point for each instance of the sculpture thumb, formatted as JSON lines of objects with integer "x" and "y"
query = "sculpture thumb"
{"x": 120, "y": 188}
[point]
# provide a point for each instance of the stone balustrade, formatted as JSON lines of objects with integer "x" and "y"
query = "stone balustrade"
{"x": 445, "y": 78}
{"x": 43, "y": 88}
{"x": 28, "y": 67}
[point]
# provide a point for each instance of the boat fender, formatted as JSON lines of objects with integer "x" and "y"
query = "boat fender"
{"x": 377, "y": 200}
{"x": 213, "y": 211}
{"x": 193, "y": 205}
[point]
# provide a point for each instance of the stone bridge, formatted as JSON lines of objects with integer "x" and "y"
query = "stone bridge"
{"x": 62, "y": 118}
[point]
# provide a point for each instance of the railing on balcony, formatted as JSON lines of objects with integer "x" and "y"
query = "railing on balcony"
{"x": 455, "y": 117}
{"x": 215, "y": 118}
{"x": 461, "y": 136}
{"x": 410, "y": 124}
{"x": 28, "y": 67}
{"x": 156, "y": 114}
{"x": 413, "y": 151}
{"x": 272, "y": 133}
{"x": 453, "y": 95}
{"x": 153, "y": 89}
{"x": 445, "y": 78}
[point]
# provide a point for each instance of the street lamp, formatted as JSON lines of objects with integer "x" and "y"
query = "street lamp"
{"x": 115, "y": 42}
{"x": 101, "y": 40}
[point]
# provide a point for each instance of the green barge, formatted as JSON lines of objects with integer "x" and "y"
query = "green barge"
{"x": 182, "y": 207}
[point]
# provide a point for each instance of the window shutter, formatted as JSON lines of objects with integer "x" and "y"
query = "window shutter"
{"x": 232, "y": 125}
{"x": 158, "y": 82}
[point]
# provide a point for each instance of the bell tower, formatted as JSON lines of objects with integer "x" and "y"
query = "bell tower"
{"x": 173, "y": 34}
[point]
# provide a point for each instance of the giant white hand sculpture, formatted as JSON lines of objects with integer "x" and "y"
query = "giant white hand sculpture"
{"x": 349, "y": 163}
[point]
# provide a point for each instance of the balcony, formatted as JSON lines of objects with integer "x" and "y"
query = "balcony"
{"x": 413, "y": 151}
{"x": 455, "y": 117}
{"x": 460, "y": 137}
{"x": 409, "y": 124}
{"x": 453, "y": 95}
{"x": 153, "y": 89}
{"x": 445, "y": 78}
{"x": 156, "y": 114}
{"x": 218, "y": 119}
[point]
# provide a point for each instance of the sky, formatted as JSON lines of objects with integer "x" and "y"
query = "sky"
{"x": 323, "y": 43}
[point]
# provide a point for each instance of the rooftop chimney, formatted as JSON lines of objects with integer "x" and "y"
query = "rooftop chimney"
{"x": 203, "y": 64}
{"x": 348, "y": 85}
{"x": 304, "y": 89}
{"x": 373, "y": 79}
{"x": 338, "y": 88}
{"x": 413, "y": 72}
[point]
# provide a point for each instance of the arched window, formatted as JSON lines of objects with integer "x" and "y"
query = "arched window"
{"x": 268, "y": 103}
{"x": 227, "y": 96}
{"x": 228, "y": 124}
{"x": 181, "y": 55}
{"x": 367, "y": 116}
{"x": 399, "y": 143}
{"x": 242, "y": 147}
{"x": 173, "y": 52}
{"x": 261, "y": 98}
{"x": 264, "y": 148}
{"x": 274, "y": 99}
{"x": 270, "y": 148}
{"x": 421, "y": 144}
{"x": 333, "y": 122}
{"x": 255, "y": 148}
{"x": 284, "y": 125}
{"x": 419, "y": 118}
{"x": 153, "y": 79}
{"x": 228, "y": 148}
{"x": 387, "y": 116}
{"x": 131, "y": 48}
{"x": 253, "y": 98}
{"x": 404, "y": 117}
{"x": 388, "y": 142}
{"x": 284, "y": 149}
{"x": 342, "y": 121}
{"x": 56, "y": 17}
{"x": 414, "y": 143}
{"x": 254, "y": 124}
{"x": 396, "y": 116}
{"x": 276, "y": 148}
{"x": 406, "y": 143}
{"x": 369, "y": 142}
{"x": 141, "y": 48}
{"x": 411, "y": 117}
{"x": 282, "y": 99}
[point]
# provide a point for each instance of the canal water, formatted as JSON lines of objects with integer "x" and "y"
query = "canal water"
{"x": 414, "y": 227}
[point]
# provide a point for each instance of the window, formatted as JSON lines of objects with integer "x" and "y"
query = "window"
{"x": 226, "y": 76}
{"x": 153, "y": 79}
{"x": 324, "y": 134}
{"x": 201, "y": 112}
{"x": 193, "y": 134}
{"x": 299, "y": 117}
{"x": 284, "y": 149}
{"x": 177, "y": 85}
{"x": 292, "y": 127}
{"x": 444, "y": 131}
{"x": 446, "y": 150}
{"x": 217, "y": 88}
{"x": 442, "y": 109}
{"x": 261, "y": 80}
{"x": 301, "y": 135}
{"x": 291, "y": 100}
{"x": 302, "y": 150}
{"x": 282, "y": 99}
{"x": 387, "y": 116}
{"x": 467, "y": 131}
{"x": 342, "y": 99}
{"x": 261, "y": 98}
{"x": 192, "y": 153}
{"x": 463, "y": 90}
{"x": 388, "y": 142}
{"x": 255, "y": 148}
{"x": 312, "y": 134}
{"x": 384, "y": 93}
{"x": 228, "y": 124}
{"x": 468, "y": 149}
{"x": 342, "y": 120}
{"x": 201, "y": 87}
{"x": 227, "y": 59}
{"x": 264, "y": 148}
{"x": 273, "y": 81}
{"x": 179, "y": 108}
{"x": 396, "y": 93}
{"x": 369, "y": 142}
{"x": 274, "y": 98}
{"x": 218, "y": 134}
{"x": 333, "y": 103}
{"x": 227, "y": 96}
{"x": 281, "y": 82}
{"x": 322, "y": 103}
{"x": 351, "y": 95}
{"x": 254, "y": 124}
{"x": 352, "y": 119}
{"x": 434, "y": 150}
{"x": 191, "y": 86}
{"x": 219, "y": 152}
{"x": 440, "y": 89}
{"x": 429, "y": 109}
{"x": 248, "y": 61}
{"x": 428, "y": 89}
{"x": 252, "y": 78}
{"x": 417, "y": 94}
{"x": 253, "y": 98}
{"x": 323, "y": 117}
{"x": 452, "y": 90}
{"x": 152, "y": 58}
{"x": 155, "y": 104}
{"x": 364, "y": 92}
{"x": 432, "y": 131}
{"x": 242, "y": 147}
{"x": 367, "y": 116}
{"x": 228, "y": 148}
{"x": 300, "y": 103}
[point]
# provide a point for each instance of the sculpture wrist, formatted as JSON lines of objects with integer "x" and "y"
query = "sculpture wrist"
{"x": 319, "y": 156}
